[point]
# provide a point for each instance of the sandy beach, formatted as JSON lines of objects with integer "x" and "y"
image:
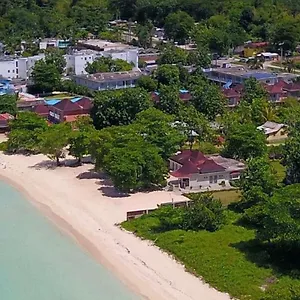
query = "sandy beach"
{"x": 86, "y": 206}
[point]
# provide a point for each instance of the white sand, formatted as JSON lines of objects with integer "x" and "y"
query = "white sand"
{"x": 88, "y": 209}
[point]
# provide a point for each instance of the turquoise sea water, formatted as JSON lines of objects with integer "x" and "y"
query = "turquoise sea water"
{"x": 37, "y": 262}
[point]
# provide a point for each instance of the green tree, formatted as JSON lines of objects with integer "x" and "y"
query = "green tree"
{"x": 135, "y": 166}
{"x": 25, "y": 130}
{"x": 292, "y": 157}
{"x": 53, "y": 141}
{"x": 253, "y": 90}
{"x": 8, "y": 104}
{"x": 281, "y": 222}
{"x": 55, "y": 57}
{"x": 208, "y": 99}
{"x": 168, "y": 75}
{"x": 147, "y": 83}
{"x": 178, "y": 26}
{"x": 172, "y": 55}
{"x": 244, "y": 141}
{"x": 169, "y": 101}
{"x": 156, "y": 128}
{"x": 119, "y": 107}
{"x": 205, "y": 213}
{"x": 257, "y": 182}
{"x": 46, "y": 77}
{"x": 107, "y": 64}
{"x": 199, "y": 58}
{"x": 79, "y": 141}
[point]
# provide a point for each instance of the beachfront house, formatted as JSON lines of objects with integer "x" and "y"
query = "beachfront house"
{"x": 194, "y": 170}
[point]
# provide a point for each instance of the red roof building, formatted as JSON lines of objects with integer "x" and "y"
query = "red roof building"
{"x": 42, "y": 110}
{"x": 64, "y": 109}
{"x": 4, "y": 121}
{"x": 195, "y": 170}
{"x": 232, "y": 95}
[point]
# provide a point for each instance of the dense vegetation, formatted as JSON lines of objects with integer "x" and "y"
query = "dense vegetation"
{"x": 221, "y": 24}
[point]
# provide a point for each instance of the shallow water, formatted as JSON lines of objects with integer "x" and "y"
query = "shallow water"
{"x": 38, "y": 262}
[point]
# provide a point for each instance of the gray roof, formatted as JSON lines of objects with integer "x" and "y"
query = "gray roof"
{"x": 111, "y": 76}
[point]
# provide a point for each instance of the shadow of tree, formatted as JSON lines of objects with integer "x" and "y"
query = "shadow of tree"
{"x": 281, "y": 258}
{"x": 106, "y": 186}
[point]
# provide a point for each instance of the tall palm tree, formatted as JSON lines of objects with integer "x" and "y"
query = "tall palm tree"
{"x": 289, "y": 65}
{"x": 256, "y": 62}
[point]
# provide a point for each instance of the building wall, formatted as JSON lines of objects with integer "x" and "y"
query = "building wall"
{"x": 279, "y": 135}
{"x": 102, "y": 86}
{"x": 8, "y": 69}
{"x": 205, "y": 180}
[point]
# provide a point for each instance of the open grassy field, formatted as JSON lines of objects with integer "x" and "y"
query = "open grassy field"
{"x": 226, "y": 197}
{"x": 230, "y": 259}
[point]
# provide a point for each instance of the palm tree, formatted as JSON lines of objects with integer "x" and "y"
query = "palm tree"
{"x": 269, "y": 113}
{"x": 289, "y": 65}
{"x": 256, "y": 63}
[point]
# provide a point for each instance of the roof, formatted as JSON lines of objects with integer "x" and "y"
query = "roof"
{"x": 6, "y": 117}
{"x": 292, "y": 87}
{"x": 42, "y": 109}
{"x": 259, "y": 75}
{"x": 270, "y": 127}
{"x": 84, "y": 102}
{"x": 230, "y": 93}
{"x": 194, "y": 162}
{"x": 52, "y": 101}
{"x": 111, "y": 76}
{"x": 67, "y": 105}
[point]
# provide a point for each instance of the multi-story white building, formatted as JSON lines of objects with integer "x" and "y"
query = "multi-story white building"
{"x": 18, "y": 67}
{"x": 9, "y": 67}
{"x": 21, "y": 67}
{"x": 77, "y": 61}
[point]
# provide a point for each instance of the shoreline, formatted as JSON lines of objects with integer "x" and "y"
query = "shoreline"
{"x": 79, "y": 209}
{"x": 70, "y": 232}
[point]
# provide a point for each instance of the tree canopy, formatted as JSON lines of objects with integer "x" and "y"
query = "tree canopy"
{"x": 119, "y": 107}
{"x": 107, "y": 64}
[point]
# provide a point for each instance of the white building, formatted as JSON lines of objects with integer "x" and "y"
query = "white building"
{"x": 21, "y": 67}
{"x": 77, "y": 62}
{"x": 108, "y": 81}
{"x": 18, "y": 67}
{"x": 9, "y": 67}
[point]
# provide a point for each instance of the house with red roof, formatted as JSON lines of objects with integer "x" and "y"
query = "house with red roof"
{"x": 4, "y": 121}
{"x": 194, "y": 170}
{"x": 276, "y": 92}
{"x": 292, "y": 89}
{"x": 232, "y": 95}
{"x": 68, "y": 110}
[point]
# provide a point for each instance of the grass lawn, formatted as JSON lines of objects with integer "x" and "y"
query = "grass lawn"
{"x": 229, "y": 259}
{"x": 280, "y": 170}
{"x": 59, "y": 96}
{"x": 226, "y": 197}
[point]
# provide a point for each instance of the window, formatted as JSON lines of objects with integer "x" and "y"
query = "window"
{"x": 221, "y": 176}
{"x": 8, "y": 71}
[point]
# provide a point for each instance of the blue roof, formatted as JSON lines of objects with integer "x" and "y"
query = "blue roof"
{"x": 76, "y": 99}
{"x": 183, "y": 91}
{"x": 52, "y": 101}
{"x": 259, "y": 75}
